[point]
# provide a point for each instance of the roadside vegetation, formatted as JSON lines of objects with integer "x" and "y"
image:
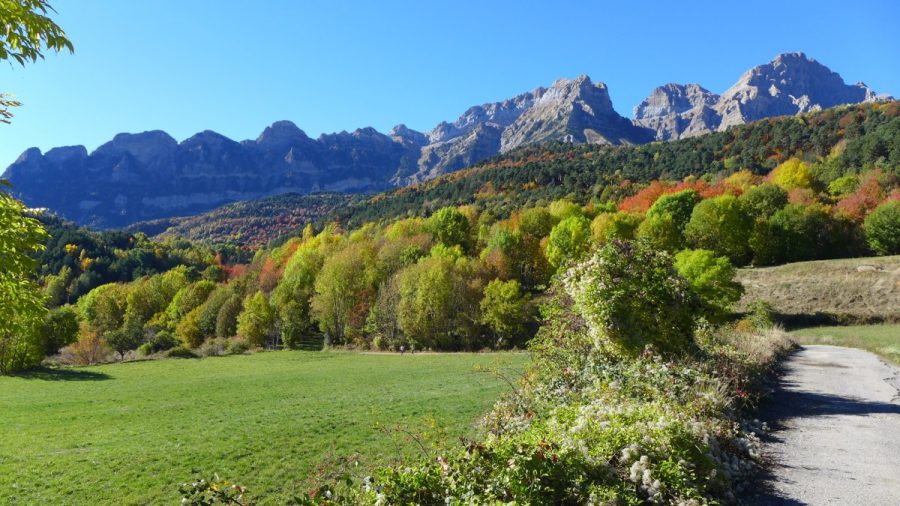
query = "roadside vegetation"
{"x": 630, "y": 399}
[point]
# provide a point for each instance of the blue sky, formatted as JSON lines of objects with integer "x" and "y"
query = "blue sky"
{"x": 236, "y": 66}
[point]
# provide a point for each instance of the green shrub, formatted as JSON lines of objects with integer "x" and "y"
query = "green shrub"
{"x": 712, "y": 278}
{"x": 160, "y": 341}
{"x": 882, "y": 228}
{"x": 237, "y": 346}
{"x": 631, "y": 297}
{"x": 181, "y": 352}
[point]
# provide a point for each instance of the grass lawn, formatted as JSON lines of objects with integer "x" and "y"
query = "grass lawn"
{"x": 130, "y": 433}
{"x": 883, "y": 340}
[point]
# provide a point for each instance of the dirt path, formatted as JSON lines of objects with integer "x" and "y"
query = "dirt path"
{"x": 836, "y": 441}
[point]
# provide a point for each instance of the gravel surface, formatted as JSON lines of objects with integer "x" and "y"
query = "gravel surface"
{"x": 836, "y": 416}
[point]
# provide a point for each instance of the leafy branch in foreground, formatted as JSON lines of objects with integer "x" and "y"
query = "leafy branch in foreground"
{"x": 29, "y": 30}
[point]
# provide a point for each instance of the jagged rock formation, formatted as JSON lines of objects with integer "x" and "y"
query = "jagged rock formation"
{"x": 678, "y": 110}
{"x": 572, "y": 110}
{"x": 150, "y": 175}
{"x": 790, "y": 84}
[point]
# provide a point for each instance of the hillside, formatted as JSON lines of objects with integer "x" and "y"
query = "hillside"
{"x": 838, "y": 141}
{"x": 150, "y": 175}
{"x": 253, "y": 223}
{"x": 852, "y": 290}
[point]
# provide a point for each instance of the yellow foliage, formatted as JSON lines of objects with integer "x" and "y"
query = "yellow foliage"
{"x": 793, "y": 173}
{"x": 71, "y": 249}
{"x": 742, "y": 179}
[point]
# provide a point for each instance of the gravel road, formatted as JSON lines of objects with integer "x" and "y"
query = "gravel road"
{"x": 836, "y": 441}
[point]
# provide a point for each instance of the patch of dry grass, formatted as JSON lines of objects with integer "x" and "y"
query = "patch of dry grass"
{"x": 854, "y": 289}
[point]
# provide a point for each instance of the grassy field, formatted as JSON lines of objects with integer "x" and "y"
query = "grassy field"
{"x": 130, "y": 433}
{"x": 883, "y": 340}
{"x": 863, "y": 290}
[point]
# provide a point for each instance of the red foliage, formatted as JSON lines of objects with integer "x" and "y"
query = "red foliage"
{"x": 269, "y": 275}
{"x": 235, "y": 271}
{"x": 867, "y": 197}
{"x": 641, "y": 201}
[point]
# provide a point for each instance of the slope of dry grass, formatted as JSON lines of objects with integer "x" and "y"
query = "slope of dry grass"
{"x": 863, "y": 290}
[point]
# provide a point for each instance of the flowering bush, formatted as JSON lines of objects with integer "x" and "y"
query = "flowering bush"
{"x": 631, "y": 297}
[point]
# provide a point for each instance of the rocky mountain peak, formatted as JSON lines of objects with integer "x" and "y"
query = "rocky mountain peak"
{"x": 573, "y": 110}
{"x": 279, "y": 135}
{"x": 677, "y": 110}
{"x": 792, "y": 83}
{"x": 405, "y": 135}
{"x": 144, "y": 146}
{"x": 502, "y": 114}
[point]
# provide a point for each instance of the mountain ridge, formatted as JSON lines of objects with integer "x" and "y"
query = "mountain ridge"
{"x": 150, "y": 175}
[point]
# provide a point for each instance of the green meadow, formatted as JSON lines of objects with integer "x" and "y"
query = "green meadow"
{"x": 130, "y": 433}
{"x": 883, "y": 340}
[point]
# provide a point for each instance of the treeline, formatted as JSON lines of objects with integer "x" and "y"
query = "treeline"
{"x": 466, "y": 280}
{"x": 835, "y": 142}
{"x": 74, "y": 260}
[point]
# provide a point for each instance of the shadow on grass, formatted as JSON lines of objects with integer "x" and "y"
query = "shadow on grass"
{"x": 54, "y": 374}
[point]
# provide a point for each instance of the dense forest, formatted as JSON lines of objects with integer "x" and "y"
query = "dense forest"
{"x": 473, "y": 276}
{"x": 251, "y": 224}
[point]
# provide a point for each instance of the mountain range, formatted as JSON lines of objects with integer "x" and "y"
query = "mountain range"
{"x": 150, "y": 175}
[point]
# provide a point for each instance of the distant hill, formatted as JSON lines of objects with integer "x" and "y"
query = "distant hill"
{"x": 150, "y": 175}
{"x": 253, "y": 223}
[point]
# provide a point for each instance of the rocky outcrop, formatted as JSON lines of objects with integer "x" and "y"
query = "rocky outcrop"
{"x": 790, "y": 84}
{"x": 678, "y": 110}
{"x": 575, "y": 110}
{"x": 571, "y": 110}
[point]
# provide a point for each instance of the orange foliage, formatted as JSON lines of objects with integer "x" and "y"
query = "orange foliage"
{"x": 235, "y": 271}
{"x": 803, "y": 196}
{"x": 641, "y": 201}
{"x": 867, "y": 196}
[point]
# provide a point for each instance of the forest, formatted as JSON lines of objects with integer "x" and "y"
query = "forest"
{"x": 473, "y": 276}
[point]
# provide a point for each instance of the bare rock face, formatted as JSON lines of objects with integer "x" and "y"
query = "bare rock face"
{"x": 674, "y": 111}
{"x": 575, "y": 110}
{"x": 149, "y": 175}
{"x": 790, "y": 84}
{"x": 476, "y": 144}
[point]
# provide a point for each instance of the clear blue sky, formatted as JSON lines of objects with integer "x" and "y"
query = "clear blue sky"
{"x": 237, "y": 66}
